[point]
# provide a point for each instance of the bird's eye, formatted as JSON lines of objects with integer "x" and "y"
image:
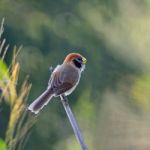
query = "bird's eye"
{"x": 78, "y": 62}
{"x": 79, "y": 59}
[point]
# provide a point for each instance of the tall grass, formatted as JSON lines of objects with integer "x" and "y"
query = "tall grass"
{"x": 20, "y": 122}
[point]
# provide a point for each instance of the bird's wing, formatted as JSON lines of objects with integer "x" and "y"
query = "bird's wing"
{"x": 63, "y": 79}
{"x": 54, "y": 71}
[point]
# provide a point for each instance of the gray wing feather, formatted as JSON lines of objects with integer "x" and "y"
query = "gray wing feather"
{"x": 63, "y": 79}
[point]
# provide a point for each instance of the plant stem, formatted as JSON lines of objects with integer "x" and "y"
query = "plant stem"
{"x": 73, "y": 122}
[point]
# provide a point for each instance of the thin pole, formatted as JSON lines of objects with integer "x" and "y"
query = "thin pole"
{"x": 73, "y": 122}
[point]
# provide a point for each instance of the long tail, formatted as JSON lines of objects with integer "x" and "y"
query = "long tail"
{"x": 41, "y": 101}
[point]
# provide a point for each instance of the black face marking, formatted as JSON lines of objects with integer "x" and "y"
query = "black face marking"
{"x": 78, "y": 62}
{"x": 79, "y": 59}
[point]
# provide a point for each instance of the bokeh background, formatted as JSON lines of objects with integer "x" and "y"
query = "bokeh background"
{"x": 112, "y": 101}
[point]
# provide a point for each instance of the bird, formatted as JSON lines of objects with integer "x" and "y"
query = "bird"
{"x": 63, "y": 81}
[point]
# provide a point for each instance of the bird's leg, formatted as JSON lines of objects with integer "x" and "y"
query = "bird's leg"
{"x": 64, "y": 98}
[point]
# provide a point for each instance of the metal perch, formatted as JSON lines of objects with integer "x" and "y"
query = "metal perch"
{"x": 73, "y": 122}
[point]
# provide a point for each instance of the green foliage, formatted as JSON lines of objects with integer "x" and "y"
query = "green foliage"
{"x": 3, "y": 145}
{"x": 4, "y": 76}
{"x": 140, "y": 92}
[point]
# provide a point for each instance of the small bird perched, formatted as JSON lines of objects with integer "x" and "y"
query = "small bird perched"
{"x": 63, "y": 80}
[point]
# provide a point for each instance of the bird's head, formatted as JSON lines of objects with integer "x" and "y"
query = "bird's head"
{"x": 76, "y": 59}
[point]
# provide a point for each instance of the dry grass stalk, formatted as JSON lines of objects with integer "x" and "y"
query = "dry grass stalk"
{"x": 20, "y": 121}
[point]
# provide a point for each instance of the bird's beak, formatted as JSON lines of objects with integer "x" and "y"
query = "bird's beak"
{"x": 84, "y": 60}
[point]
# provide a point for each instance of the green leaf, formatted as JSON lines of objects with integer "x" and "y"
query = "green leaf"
{"x": 3, "y": 71}
{"x": 2, "y": 145}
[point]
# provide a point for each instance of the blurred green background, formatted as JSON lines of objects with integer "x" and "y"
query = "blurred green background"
{"x": 112, "y": 101}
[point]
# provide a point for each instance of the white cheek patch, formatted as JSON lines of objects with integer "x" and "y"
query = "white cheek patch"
{"x": 83, "y": 67}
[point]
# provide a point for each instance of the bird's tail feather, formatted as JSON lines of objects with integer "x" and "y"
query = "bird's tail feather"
{"x": 41, "y": 101}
